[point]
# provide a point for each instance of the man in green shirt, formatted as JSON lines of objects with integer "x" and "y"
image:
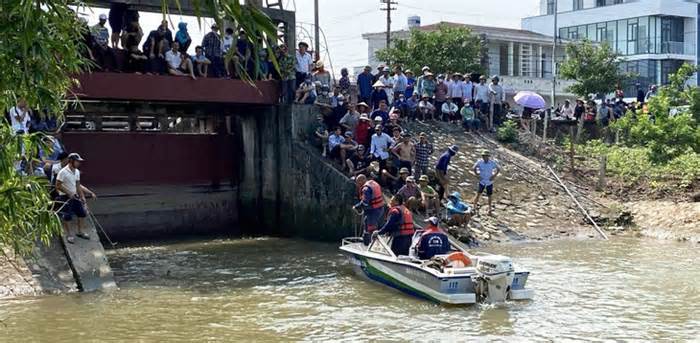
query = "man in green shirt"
{"x": 287, "y": 65}
{"x": 469, "y": 120}
{"x": 429, "y": 197}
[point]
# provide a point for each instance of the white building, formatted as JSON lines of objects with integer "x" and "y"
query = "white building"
{"x": 522, "y": 59}
{"x": 655, "y": 37}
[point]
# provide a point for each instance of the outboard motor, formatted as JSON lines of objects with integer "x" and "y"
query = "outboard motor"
{"x": 494, "y": 276}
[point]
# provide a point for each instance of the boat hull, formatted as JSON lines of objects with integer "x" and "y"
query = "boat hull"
{"x": 415, "y": 281}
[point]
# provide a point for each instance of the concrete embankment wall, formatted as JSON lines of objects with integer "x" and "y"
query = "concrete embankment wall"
{"x": 258, "y": 177}
{"x": 286, "y": 188}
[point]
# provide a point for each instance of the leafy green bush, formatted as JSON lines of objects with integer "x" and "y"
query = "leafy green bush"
{"x": 508, "y": 132}
{"x": 633, "y": 164}
{"x": 665, "y": 135}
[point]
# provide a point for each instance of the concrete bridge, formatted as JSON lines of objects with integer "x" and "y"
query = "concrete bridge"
{"x": 222, "y": 157}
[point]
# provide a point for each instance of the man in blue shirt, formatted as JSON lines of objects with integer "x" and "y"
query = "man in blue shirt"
{"x": 364, "y": 85}
{"x": 433, "y": 241}
{"x": 381, "y": 111}
{"x": 487, "y": 170}
{"x": 410, "y": 83}
{"x": 441, "y": 169}
{"x": 399, "y": 225}
{"x": 334, "y": 141}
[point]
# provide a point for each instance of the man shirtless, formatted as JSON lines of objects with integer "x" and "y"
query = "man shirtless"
{"x": 405, "y": 150}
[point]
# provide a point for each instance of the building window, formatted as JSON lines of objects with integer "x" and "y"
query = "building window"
{"x": 550, "y": 6}
{"x": 601, "y": 3}
{"x": 633, "y": 36}
{"x": 578, "y": 5}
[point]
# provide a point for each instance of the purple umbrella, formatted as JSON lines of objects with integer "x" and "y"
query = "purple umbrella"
{"x": 530, "y": 99}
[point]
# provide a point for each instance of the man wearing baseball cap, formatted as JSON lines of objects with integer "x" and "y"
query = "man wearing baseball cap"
{"x": 71, "y": 196}
{"x": 103, "y": 53}
{"x": 487, "y": 170}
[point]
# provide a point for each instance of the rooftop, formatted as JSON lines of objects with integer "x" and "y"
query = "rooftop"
{"x": 491, "y": 32}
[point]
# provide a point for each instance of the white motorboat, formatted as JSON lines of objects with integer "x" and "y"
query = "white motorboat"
{"x": 455, "y": 278}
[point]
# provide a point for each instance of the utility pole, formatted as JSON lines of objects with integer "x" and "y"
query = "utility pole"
{"x": 554, "y": 75}
{"x": 317, "y": 39}
{"x": 388, "y": 10}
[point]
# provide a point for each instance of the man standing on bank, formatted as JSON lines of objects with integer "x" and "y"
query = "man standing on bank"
{"x": 487, "y": 170}
{"x": 441, "y": 169}
{"x": 71, "y": 195}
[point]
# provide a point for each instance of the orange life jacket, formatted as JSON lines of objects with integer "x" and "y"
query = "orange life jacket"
{"x": 377, "y": 200}
{"x": 406, "y": 226}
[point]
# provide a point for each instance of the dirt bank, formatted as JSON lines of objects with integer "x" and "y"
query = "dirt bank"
{"x": 531, "y": 205}
{"x": 527, "y": 206}
{"x": 667, "y": 219}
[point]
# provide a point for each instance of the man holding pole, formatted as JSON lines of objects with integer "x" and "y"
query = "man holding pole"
{"x": 371, "y": 203}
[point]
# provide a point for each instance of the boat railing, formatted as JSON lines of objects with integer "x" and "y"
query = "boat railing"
{"x": 350, "y": 240}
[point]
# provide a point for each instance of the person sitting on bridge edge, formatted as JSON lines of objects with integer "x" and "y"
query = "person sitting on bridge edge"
{"x": 433, "y": 241}
{"x": 400, "y": 225}
{"x": 372, "y": 202}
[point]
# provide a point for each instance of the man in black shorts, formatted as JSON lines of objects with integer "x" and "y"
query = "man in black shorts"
{"x": 487, "y": 170}
{"x": 71, "y": 196}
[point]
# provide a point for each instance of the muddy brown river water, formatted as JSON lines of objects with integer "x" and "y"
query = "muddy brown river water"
{"x": 270, "y": 289}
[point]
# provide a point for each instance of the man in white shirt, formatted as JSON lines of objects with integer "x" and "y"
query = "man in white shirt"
{"x": 450, "y": 110}
{"x": 71, "y": 196}
{"x": 487, "y": 170}
{"x": 467, "y": 90}
{"x": 20, "y": 117}
{"x": 388, "y": 83}
{"x": 481, "y": 96}
{"x": 426, "y": 108}
{"x": 380, "y": 146}
{"x": 567, "y": 111}
{"x": 456, "y": 91}
{"x": 177, "y": 64}
{"x": 304, "y": 63}
{"x": 498, "y": 97}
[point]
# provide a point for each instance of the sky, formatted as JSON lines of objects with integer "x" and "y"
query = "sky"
{"x": 344, "y": 21}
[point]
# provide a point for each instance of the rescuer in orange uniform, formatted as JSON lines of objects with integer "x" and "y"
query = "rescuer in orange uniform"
{"x": 399, "y": 224}
{"x": 372, "y": 202}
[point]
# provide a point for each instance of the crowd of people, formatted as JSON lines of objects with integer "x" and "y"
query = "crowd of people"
{"x": 53, "y": 162}
{"x": 363, "y": 134}
{"x": 227, "y": 54}
{"x": 607, "y": 110}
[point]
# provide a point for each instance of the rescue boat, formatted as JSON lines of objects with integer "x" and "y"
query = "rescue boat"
{"x": 456, "y": 278}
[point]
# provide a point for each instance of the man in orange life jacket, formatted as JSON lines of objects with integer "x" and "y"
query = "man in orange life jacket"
{"x": 372, "y": 201}
{"x": 433, "y": 241}
{"x": 399, "y": 224}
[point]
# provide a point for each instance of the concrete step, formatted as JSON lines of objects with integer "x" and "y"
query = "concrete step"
{"x": 88, "y": 260}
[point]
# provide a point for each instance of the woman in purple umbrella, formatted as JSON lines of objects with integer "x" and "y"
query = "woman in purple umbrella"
{"x": 530, "y": 102}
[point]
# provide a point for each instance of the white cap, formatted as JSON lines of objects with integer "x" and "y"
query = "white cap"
{"x": 103, "y": 16}
{"x": 433, "y": 220}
